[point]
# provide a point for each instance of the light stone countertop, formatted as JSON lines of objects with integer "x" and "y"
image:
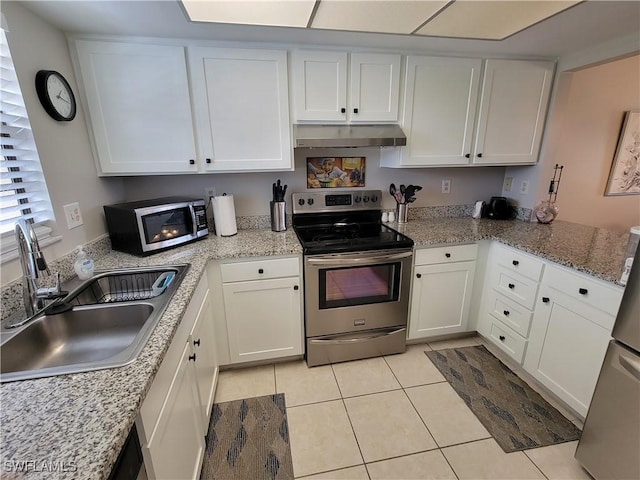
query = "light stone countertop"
{"x": 76, "y": 424}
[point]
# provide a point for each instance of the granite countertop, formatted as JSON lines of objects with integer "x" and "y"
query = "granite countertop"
{"x": 73, "y": 426}
{"x": 596, "y": 251}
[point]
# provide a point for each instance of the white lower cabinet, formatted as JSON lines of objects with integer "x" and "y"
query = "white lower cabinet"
{"x": 442, "y": 285}
{"x": 174, "y": 416}
{"x": 176, "y": 446}
{"x": 263, "y": 308}
{"x": 509, "y": 295}
{"x": 570, "y": 334}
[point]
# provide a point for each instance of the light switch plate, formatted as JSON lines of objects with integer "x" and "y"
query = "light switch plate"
{"x": 508, "y": 184}
{"x": 73, "y": 215}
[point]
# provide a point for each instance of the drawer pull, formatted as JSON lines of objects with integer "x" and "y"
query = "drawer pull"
{"x": 515, "y": 263}
{"x": 296, "y": 287}
{"x": 583, "y": 291}
{"x": 260, "y": 271}
{"x": 448, "y": 255}
{"x": 196, "y": 342}
{"x": 192, "y": 357}
{"x": 502, "y": 338}
{"x": 506, "y": 313}
{"x": 545, "y": 299}
{"x": 418, "y": 275}
{"x": 512, "y": 286}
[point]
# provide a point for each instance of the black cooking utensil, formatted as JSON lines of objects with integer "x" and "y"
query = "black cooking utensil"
{"x": 392, "y": 189}
{"x": 279, "y": 191}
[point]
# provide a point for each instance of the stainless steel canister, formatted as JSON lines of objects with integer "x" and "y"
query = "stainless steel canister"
{"x": 278, "y": 216}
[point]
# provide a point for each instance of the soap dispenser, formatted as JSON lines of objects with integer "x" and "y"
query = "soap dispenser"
{"x": 83, "y": 265}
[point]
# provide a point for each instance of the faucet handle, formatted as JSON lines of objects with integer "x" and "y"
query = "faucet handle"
{"x": 51, "y": 292}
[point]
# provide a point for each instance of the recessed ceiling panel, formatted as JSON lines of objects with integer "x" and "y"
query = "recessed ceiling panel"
{"x": 279, "y": 13}
{"x": 384, "y": 16}
{"x": 490, "y": 20}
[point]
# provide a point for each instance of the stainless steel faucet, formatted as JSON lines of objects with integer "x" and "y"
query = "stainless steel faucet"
{"x": 34, "y": 267}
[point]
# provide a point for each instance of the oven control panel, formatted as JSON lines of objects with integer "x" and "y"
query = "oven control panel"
{"x": 314, "y": 202}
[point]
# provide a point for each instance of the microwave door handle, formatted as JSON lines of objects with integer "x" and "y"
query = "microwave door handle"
{"x": 194, "y": 224}
{"x": 358, "y": 260}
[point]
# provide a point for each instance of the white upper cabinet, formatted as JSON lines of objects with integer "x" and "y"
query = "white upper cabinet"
{"x": 375, "y": 87}
{"x": 452, "y": 118}
{"x": 322, "y": 93}
{"x": 139, "y": 108}
{"x": 319, "y": 85}
{"x": 241, "y": 106}
{"x": 513, "y": 107}
{"x": 440, "y": 109}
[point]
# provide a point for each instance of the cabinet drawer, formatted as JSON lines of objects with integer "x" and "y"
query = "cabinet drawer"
{"x": 507, "y": 340}
{"x": 518, "y": 262}
{"x": 515, "y": 287}
{"x": 260, "y": 269}
{"x": 586, "y": 290}
{"x": 453, "y": 253}
{"x": 510, "y": 313}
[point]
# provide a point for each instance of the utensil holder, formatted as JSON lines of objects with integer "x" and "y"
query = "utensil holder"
{"x": 402, "y": 212}
{"x": 278, "y": 216}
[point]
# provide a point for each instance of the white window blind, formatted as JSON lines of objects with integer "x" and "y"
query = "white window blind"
{"x": 23, "y": 190}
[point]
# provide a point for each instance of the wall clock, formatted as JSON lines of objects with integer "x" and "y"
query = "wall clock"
{"x": 56, "y": 95}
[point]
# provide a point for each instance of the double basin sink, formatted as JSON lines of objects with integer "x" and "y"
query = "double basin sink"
{"x": 104, "y": 322}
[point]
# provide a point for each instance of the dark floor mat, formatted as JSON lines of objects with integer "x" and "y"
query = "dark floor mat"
{"x": 517, "y": 417}
{"x": 248, "y": 439}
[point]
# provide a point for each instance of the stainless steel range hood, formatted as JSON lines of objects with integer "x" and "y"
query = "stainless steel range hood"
{"x": 340, "y": 136}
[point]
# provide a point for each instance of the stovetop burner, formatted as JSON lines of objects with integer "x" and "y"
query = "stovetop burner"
{"x": 327, "y": 228}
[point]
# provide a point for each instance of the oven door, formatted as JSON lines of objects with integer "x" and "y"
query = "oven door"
{"x": 349, "y": 292}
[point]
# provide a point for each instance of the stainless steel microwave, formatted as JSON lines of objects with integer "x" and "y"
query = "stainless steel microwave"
{"x": 148, "y": 226}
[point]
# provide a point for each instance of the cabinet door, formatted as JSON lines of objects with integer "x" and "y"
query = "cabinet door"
{"x": 439, "y": 110}
{"x": 567, "y": 346}
{"x": 138, "y": 107}
{"x": 203, "y": 343}
{"x": 241, "y": 105}
{"x": 319, "y": 85}
{"x": 176, "y": 447}
{"x": 441, "y": 298}
{"x": 375, "y": 87}
{"x": 264, "y": 318}
{"x": 513, "y": 107}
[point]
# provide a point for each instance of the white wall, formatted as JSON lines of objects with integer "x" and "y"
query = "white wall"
{"x": 252, "y": 191}
{"x": 583, "y": 135}
{"x": 63, "y": 147}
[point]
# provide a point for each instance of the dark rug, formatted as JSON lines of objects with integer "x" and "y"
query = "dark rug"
{"x": 517, "y": 417}
{"x": 248, "y": 439}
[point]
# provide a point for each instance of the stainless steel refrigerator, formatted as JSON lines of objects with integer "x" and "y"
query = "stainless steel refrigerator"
{"x": 610, "y": 444}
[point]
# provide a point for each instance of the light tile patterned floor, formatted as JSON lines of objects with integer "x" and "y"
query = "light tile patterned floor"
{"x": 391, "y": 417}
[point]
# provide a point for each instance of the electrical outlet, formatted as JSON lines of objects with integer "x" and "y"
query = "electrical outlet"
{"x": 508, "y": 183}
{"x": 73, "y": 215}
{"x": 524, "y": 187}
{"x": 446, "y": 185}
{"x": 209, "y": 192}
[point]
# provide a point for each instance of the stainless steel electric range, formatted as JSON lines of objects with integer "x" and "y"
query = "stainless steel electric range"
{"x": 357, "y": 274}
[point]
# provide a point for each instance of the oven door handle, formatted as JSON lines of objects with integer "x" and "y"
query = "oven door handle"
{"x": 360, "y": 259}
{"x": 356, "y": 340}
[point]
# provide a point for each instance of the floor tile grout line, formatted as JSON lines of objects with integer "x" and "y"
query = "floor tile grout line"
{"x": 534, "y": 463}
{"x": 329, "y": 471}
{"x": 355, "y": 436}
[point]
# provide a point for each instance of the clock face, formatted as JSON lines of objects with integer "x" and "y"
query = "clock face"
{"x": 60, "y": 95}
{"x": 56, "y": 95}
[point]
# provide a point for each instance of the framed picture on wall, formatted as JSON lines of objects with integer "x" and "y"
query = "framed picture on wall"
{"x": 335, "y": 172}
{"x": 624, "y": 178}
